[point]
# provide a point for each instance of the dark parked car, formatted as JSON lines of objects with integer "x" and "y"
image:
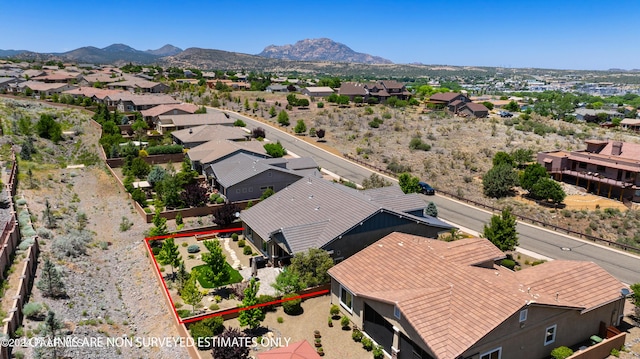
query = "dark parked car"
{"x": 426, "y": 189}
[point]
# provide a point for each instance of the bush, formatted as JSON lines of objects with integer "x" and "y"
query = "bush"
{"x": 378, "y": 352}
{"x": 241, "y": 243}
{"x": 356, "y": 335}
{"x": 214, "y": 306}
{"x": 234, "y": 237}
{"x": 239, "y": 123}
{"x": 247, "y": 250}
{"x": 205, "y": 329}
{"x": 292, "y": 307}
{"x": 509, "y": 263}
{"x": 367, "y": 344}
{"x": 125, "y": 224}
{"x": 194, "y": 248}
{"x": 44, "y": 233}
{"x": 561, "y": 352}
{"x": 344, "y": 321}
{"x": 34, "y": 311}
{"x": 417, "y": 144}
{"x": 265, "y": 298}
{"x": 334, "y": 310}
{"x": 164, "y": 149}
{"x": 280, "y": 320}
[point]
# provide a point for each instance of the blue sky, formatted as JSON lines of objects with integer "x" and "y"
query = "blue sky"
{"x": 545, "y": 34}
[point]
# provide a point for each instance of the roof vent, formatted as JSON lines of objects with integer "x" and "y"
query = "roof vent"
{"x": 310, "y": 196}
{"x": 317, "y": 208}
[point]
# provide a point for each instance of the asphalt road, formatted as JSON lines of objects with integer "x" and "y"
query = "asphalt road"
{"x": 623, "y": 266}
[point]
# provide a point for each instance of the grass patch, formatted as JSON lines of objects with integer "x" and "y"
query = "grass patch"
{"x": 234, "y": 277}
{"x": 184, "y": 313}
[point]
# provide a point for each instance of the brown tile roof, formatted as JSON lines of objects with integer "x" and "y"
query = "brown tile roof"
{"x": 205, "y": 133}
{"x": 475, "y": 107}
{"x": 211, "y": 151}
{"x": 444, "y": 96}
{"x": 629, "y": 150}
{"x": 390, "y": 84}
{"x": 352, "y": 89}
{"x": 142, "y": 100}
{"x": 450, "y": 302}
{"x": 42, "y": 86}
{"x": 91, "y": 91}
{"x": 163, "y": 109}
{"x": 197, "y": 119}
{"x": 297, "y": 350}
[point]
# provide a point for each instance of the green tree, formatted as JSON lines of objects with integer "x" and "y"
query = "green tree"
{"x": 287, "y": 282}
{"x": 522, "y": 156}
{"x": 408, "y": 183}
{"x": 191, "y": 294}
{"x": 50, "y": 282}
{"x": 50, "y": 330}
{"x": 206, "y": 328}
{"x": 48, "y": 128}
{"x": 247, "y": 107}
{"x": 548, "y": 189}
{"x": 431, "y": 210}
{"x": 251, "y": 317}
{"x": 499, "y": 181}
{"x": 169, "y": 255}
{"x": 301, "y": 127}
{"x": 512, "y": 106}
{"x": 139, "y": 168}
{"x": 502, "y": 230}
{"x": 272, "y": 111}
{"x": 140, "y": 128}
{"x": 275, "y": 150}
{"x": 488, "y": 105}
{"x": 292, "y": 99}
{"x": 312, "y": 266}
{"x": 49, "y": 218}
{"x": 216, "y": 261}
{"x": 303, "y": 102}
{"x": 25, "y": 126}
{"x": 635, "y": 294}
{"x": 283, "y": 118}
{"x": 503, "y": 157}
{"x": 159, "y": 225}
{"x": 182, "y": 276}
{"x": 267, "y": 193}
{"x": 531, "y": 175}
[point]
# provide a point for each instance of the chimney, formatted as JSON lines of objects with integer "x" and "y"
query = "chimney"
{"x": 617, "y": 148}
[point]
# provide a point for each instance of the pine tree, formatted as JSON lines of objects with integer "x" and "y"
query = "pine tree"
{"x": 48, "y": 214}
{"x": 50, "y": 282}
{"x": 251, "y": 317}
{"x": 169, "y": 255}
{"x": 182, "y": 277}
{"x": 159, "y": 225}
{"x": 216, "y": 261}
{"x": 191, "y": 294}
{"x": 431, "y": 210}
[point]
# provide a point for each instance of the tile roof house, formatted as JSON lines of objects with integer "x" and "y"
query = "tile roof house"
{"x": 315, "y": 213}
{"x": 139, "y": 85}
{"x": 472, "y": 109}
{"x": 195, "y": 136}
{"x": 179, "y": 121}
{"x": 297, "y": 350}
{"x": 591, "y": 115}
{"x": 128, "y": 102}
{"x": 425, "y": 298}
{"x": 243, "y": 177}
{"x": 42, "y": 88}
{"x": 458, "y": 103}
{"x": 353, "y": 89}
{"x": 91, "y": 92}
{"x": 213, "y": 151}
{"x": 151, "y": 115}
{"x": 610, "y": 168}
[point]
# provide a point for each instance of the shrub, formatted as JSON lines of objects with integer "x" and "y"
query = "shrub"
{"x": 417, "y": 144}
{"x": 34, "y": 311}
{"x": 247, "y": 250}
{"x": 234, "y": 237}
{"x": 241, "y": 243}
{"x": 356, "y": 335}
{"x": 334, "y": 310}
{"x": 344, "y": 321}
{"x": 164, "y": 149}
{"x": 265, "y": 298}
{"x": 44, "y": 233}
{"x": 239, "y": 123}
{"x": 509, "y": 263}
{"x": 194, "y": 248}
{"x": 214, "y": 306}
{"x": 561, "y": 352}
{"x": 378, "y": 352}
{"x": 292, "y": 307}
{"x": 367, "y": 344}
{"x": 125, "y": 224}
{"x": 280, "y": 320}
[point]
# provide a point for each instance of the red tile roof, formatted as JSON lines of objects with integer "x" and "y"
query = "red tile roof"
{"x": 297, "y": 350}
{"x": 451, "y": 302}
{"x": 165, "y": 108}
{"x": 444, "y": 96}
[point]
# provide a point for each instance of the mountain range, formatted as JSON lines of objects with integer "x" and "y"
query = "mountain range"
{"x": 324, "y": 49}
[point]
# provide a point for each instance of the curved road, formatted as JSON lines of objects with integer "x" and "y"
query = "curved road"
{"x": 625, "y": 267}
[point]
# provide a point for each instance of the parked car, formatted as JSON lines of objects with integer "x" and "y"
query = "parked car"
{"x": 426, "y": 189}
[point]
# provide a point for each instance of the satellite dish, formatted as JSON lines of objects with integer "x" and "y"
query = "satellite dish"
{"x": 625, "y": 292}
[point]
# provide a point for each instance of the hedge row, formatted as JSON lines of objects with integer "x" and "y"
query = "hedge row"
{"x": 164, "y": 149}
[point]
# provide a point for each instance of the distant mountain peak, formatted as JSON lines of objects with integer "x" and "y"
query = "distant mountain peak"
{"x": 119, "y": 48}
{"x": 322, "y": 49}
{"x": 166, "y": 50}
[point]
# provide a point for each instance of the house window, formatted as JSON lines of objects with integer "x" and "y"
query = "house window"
{"x": 550, "y": 335}
{"x": 523, "y": 315}
{"x": 582, "y": 165}
{"x": 250, "y": 189}
{"x": 237, "y": 190}
{"x": 346, "y": 299}
{"x": 600, "y": 168}
{"x": 244, "y": 190}
{"x": 493, "y": 354}
{"x": 396, "y": 312}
